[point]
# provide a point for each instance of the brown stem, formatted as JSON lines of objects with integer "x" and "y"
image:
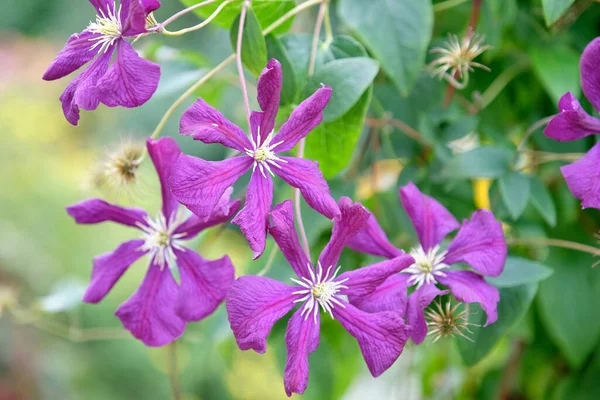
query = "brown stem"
{"x": 511, "y": 370}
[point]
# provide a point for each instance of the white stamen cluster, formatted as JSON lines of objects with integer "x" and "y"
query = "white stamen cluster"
{"x": 108, "y": 27}
{"x": 427, "y": 266}
{"x": 263, "y": 154}
{"x": 320, "y": 290}
{"x": 160, "y": 239}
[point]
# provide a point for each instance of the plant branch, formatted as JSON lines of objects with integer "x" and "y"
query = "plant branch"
{"x": 565, "y": 244}
{"x": 185, "y": 11}
{"x": 238, "y": 59}
{"x": 446, "y": 5}
{"x": 172, "y": 370}
{"x": 401, "y": 126}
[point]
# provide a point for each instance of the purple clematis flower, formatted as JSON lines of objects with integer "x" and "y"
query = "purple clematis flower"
{"x": 255, "y": 303}
{"x": 157, "y": 313}
{"x": 129, "y": 82}
{"x": 574, "y": 123}
{"x": 479, "y": 243}
{"x": 198, "y": 184}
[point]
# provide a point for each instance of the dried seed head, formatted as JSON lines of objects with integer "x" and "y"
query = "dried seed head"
{"x": 457, "y": 55}
{"x": 119, "y": 169}
{"x": 445, "y": 321}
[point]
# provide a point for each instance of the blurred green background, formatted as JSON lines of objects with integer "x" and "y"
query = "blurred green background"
{"x": 546, "y": 344}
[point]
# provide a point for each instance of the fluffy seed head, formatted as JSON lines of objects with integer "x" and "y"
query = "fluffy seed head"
{"x": 120, "y": 167}
{"x": 447, "y": 321}
{"x": 457, "y": 55}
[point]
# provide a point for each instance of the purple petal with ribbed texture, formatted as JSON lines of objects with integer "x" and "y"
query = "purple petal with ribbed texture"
{"x": 93, "y": 211}
{"x": 204, "y": 123}
{"x": 573, "y": 122}
{"x": 590, "y": 74}
{"x": 164, "y": 153}
{"x": 268, "y": 90}
{"x": 301, "y": 339}
{"x": 363, "y": 281}
{"x": 254, "y": 304}
{"x": 469, "y": 287}
{"x": 480, "y": 243}
{"x": 203, "y": 286}
{"x": 417, "y": 302}
{"x": 109, "y": 267}
{"x": 284, "y": 232}
{"x": 583, "y": 178}
{"x": 431, "y": 219}
{"x": 130, "y": 81}
{"x": 391, "y": 295}
{"x": 200, "y": 184}
{"x": 150, "y": 313}
{"x": 303, "y": 119}
{"x": 371, "y": 239}
{"x": 76, "y": 53}
{"x": 222, "y": 212}
{"x": 305, "y": 175}
{"x": 352, "y": 218}
{"x": 381, "y": 336}
{"x": 254, "y": 217}
{"x": 133, "y": 15}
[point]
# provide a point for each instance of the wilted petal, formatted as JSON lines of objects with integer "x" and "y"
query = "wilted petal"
{"x": 133, "y": 15}
{"x": 583, "y": 176}
{"x": 164, "y": 153}
{"x": 76, "y": 53}
{"x": 417, "y": 302}
{"x": 480, "y": 243}
{"x": 470, "y": 287}
{"x": 254, "y": 304}
{"x": 130, "y": 80}
{"x": 431, "y": 219}
{"x": 302, "y": 120}
{"x": 268, "y": 90}
{"x": 150, "y": 313}
{"x": 381, "y": 336}
{"x": 284, "y": 232}
{"x": 254, "y": 217}
{"x": 352, "y": 218}
{"x": 363, "y": 281}
{"x": 204, "y": 123}
{"x": 204, "y": 284}
{"x": 301, "y": 339}
{"x": 200, "y": 184}
{"x": 93, "y": 211}
{"x": 573, "y": 122}
{"x": 371, "y": 239}
{"x": 109, "y": 267}
{"x": 590, "y": 75}
{"x": 391, "y": 295}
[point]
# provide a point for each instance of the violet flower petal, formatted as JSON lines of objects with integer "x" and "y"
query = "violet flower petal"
{"x": 583, "y": 178}
{"x": 371, "y": 239}
{"x": 103, "y": 5}
{"x": 381, "y": 336}
{"x": 200, "y": 184}
{"x": 130, "y": 81}
{"x": 77, "y": 52}
{"x": 284, "y": 232}
{"x": 352, "y": 218}
{"x": 268, "y": 90}
{"x": 254, "y": 304}
{"x": 305, "y": 175}
{"x": 254, "y": 217}
{"x": 479, "y": 243}
{"x": 301, "y": 339}
{"x": 590, "y": 75}
{"x": 469, "y": 287}
{"x": 164, "y": 153}
{"x": 109, "y": 267}
{"x": 133, "y": 15}
{"x": 431, "y": 219}
{"x": 391, "y": 295}
{"x": 573, "y": 122}
{"x": 203, "y": 286}
{"x": 417, "y": 302}
{"x": 303, "y": 119}
{"x": 204, "y": 123}
{"x": 93, "y": 211}
{"x": 150, "y": 313}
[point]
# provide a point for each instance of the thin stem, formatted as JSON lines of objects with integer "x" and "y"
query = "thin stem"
{"x": 401, "y": 126}
{"x": 565, "y": 244}
{"x": 238, "y": 60}
{"x": 315, "y": 41}
{"x": 445, "y": 5}
{"x": 172, "y": 370}
{"x": 328, "y": 29}
{"x": 185, "y": 11}
{"x": 201, "y": 25}
{"x": 500, "y": 83}
{"x": 534, "y": 127}
{"x": 290, "y": 14}
{"x": 542, "y": 157}
{"x": 269, "y": 263}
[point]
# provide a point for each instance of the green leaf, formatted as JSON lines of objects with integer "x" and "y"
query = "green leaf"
{"x": 289, "y": 88}
{"x": 254, "y": 47}
{"x": 569, "y": 303}
{"x": 397, "y": 32}
{"x": 557, "y": 68}
{"x": 349, "y": 78}
{"x": 554, "y": 9}
{"x": 514, "y": 303}
{"x": 514, "y": 189}
{"x": 482, "y": 162}
{"x": 542, "y": 201}
{"x": 520, "y": 271}
{"x": 267, "y": 12}
{"x": 332, "y": 143}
